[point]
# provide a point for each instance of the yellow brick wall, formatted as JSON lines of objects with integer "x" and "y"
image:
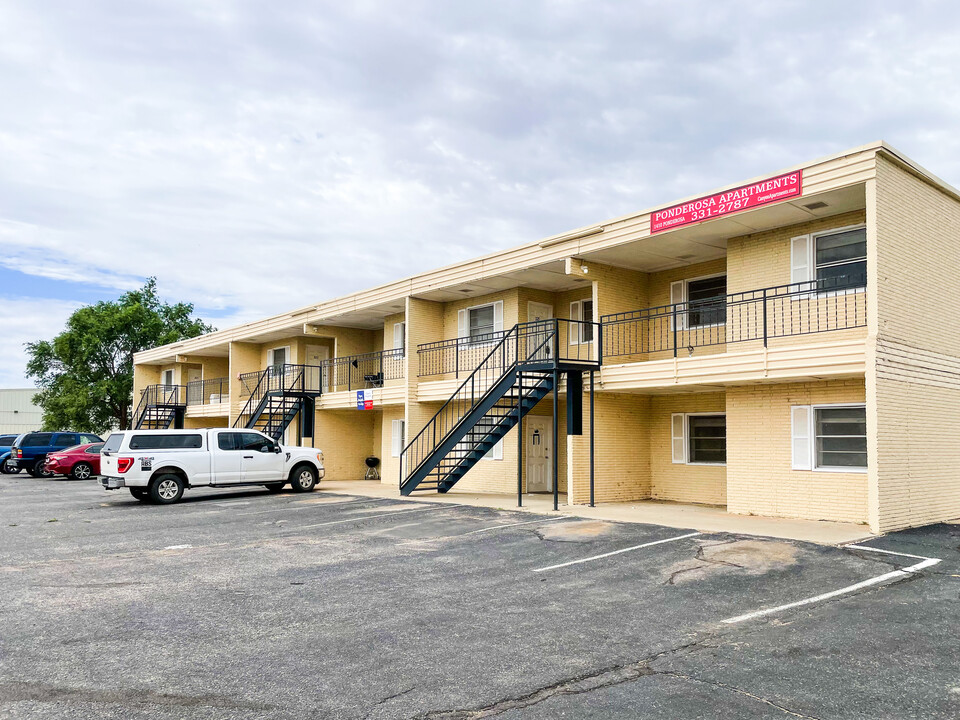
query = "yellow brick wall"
{"x": 762, "y": 259}
{"x": 204, "y": 422}
{"x": 510, "y": 300}
{"x": 681, "y": 482}
{"x": 621, "y": 449}
{"x": 389, "y": 466}
{"x": 917, "y": 349}
{"x": 346, "y": 438}
{"x": 760, "y": 480}
{"x": 244, "y": 358}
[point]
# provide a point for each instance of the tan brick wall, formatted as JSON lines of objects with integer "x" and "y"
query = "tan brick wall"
{"x": 760, "y": 480}
{"x": 762, "y": 259}
{"x": 682, "y": 482}
{"x": 204, "y": 422}
{"x": 621, "y": 449}
{"x": 244, "y": 358}
{"x": 389, "y": 466}
{"x": 346, "y": 438}
{"x": 917, "y": 349}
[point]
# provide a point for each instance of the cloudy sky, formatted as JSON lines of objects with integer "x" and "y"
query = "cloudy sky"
{"x": 257, "y": 157}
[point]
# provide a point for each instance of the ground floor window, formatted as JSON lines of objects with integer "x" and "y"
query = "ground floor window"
{"x": 829, "y": 437}
{"x": 699, "y": 438}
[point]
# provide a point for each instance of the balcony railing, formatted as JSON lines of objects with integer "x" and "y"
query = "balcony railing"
{"x": 351, "y": 372}
{"x": 285, "y": 378}
{"x": 457, "y": 357}
{"x": 208, "y": 392}
{"x": 837, "y": 303}
{"x": 369, "y": 370}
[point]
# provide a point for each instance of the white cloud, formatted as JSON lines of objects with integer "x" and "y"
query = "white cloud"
{"x": 23, "y": 321}
{"x": 260, "y": 157}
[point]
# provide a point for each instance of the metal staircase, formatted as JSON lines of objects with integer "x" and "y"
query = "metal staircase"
{"x": 518, "y": 372}
{"x": 278, "y": 395}
{"x": 160, "y": 407}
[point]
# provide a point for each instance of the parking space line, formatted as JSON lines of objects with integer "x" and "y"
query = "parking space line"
{"x": 617, "y": 552}
{"x": 290, "y": 506}
{"x": 894, "y": 576}
{"x": 367, "y": 517}
{"x": 507, "y": 525}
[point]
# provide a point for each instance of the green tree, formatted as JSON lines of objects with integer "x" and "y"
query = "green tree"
{"x": 85, "y": 373}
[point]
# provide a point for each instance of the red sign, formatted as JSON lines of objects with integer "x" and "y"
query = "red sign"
{"x": 745, "y": 197}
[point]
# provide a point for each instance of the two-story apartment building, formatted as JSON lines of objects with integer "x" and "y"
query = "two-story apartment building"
{"x": 769, "y": 347}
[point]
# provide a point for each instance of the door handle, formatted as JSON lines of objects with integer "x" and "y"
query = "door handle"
{"x": 248, "y": 457}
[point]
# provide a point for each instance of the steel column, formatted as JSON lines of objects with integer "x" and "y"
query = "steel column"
{"x": 520, "y": 439}
{"x": 591, "y": 439}
{"x": 556, "y": 436}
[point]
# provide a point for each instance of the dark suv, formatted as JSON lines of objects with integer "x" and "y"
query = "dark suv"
{"x": 29, "y": 450}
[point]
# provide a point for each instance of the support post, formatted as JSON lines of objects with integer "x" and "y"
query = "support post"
{"x": 591, "y": 438}
{"x": 556, "y": 437}
{"x": 520, "y": 440}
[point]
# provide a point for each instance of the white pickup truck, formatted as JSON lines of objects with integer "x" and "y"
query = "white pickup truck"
{"x": 158, "y": 465}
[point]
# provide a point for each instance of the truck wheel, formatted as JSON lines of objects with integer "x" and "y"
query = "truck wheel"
{"x": 81, "y": 471}
{"x": 38, "y": 471}
{"x": 139, "y": 493}
{"x": 8, "y": 469}
{"x": 303, "y": 479}
{"x": 275, "y": 487}
{"x": 166, "y": 489}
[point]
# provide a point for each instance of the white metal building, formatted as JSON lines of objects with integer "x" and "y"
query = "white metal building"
{"x": 18, "y": 413}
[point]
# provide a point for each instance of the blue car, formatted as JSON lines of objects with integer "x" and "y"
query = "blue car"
{"x": 29, "y": 450}
{"x": 6, "y": 442}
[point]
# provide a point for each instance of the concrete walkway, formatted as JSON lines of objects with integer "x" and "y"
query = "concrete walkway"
{"x": 705, "y": 518}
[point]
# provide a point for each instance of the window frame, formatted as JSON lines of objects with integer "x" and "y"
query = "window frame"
{"x": 813, "y": 438}
{"x": 684, "y": 315}
{"x": 576, "y": 316}
{"x": 811, "y": 430}
{"x": 686, "y": 438}
{"x": 468, "y": 339}
{"x": 812, "y": 260}
{"x": 271, "y": 358}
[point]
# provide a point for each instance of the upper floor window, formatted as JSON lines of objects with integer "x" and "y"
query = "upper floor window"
{"x": 703, "y": 301}
{"x": 479, "y": 323}
{"x": 582, "y": 331}
{"x": 841, "y": 259}
{"x": 832, "y": 260}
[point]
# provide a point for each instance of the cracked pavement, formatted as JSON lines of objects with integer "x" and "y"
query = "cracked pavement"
{"x": 246, "y": 605}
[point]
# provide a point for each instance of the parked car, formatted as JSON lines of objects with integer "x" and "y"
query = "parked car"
{"x": 29, "y": 451}
{"x": 157, "y": 465}
{"x": 6, "y": 442}
{"x": 81, "y": 462}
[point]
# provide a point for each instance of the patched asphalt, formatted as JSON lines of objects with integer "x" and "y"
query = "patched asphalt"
{"x": 243, "y": 604}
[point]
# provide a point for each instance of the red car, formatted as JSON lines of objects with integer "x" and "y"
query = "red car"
{"x": 81, "y": 462}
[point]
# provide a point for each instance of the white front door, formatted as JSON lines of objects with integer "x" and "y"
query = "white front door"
{"x": 539, "y": 432}
{"x": 316, "y": 354}
{"x": 539, "y": 311}
{"x": 194, "y": 375}
{"x": 539, "y": 344}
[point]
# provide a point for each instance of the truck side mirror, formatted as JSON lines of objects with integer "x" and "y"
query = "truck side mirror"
{"x": 277, "y": 448}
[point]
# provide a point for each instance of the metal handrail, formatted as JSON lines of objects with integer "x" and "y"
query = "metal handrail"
{"x": 202, "y": 392}
{"x": 156, "y": 395}
{"x": 281, "y": 379}
{"x": 356, "y": 372}
{"x": 456, "y": 355}
{"x": 543, "y": 344}
{"x": 815, "y": 306}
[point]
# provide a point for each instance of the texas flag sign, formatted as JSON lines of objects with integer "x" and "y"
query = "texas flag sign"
{"x": 365, "y": 399}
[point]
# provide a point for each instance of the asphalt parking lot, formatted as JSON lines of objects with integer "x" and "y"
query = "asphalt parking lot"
{"x": 251, "y": 605}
